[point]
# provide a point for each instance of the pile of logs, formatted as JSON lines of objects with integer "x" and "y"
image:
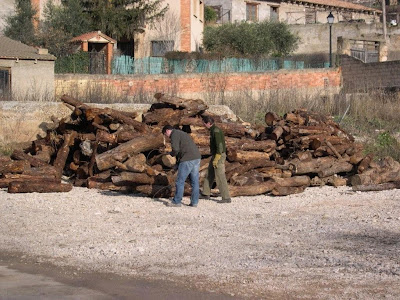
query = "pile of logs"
{"x": 113, "y": 150}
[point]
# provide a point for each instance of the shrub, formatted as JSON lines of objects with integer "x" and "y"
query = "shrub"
{"x": 250, "y": 39}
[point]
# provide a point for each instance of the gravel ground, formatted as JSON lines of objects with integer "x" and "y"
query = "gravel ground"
{"x": 325, "y": 243}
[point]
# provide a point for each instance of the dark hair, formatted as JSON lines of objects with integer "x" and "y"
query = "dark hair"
{"x": 167, "y": 127}
{"x": 208, "y": 119}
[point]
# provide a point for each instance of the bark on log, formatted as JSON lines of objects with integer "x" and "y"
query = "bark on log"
{"x": 38, "y": 187}
{"x": 63, "y": 152}
{"x": 357, "y": 157}
{"x": 293, "y": 181}
{"x": 377, "y": 187}
{"x": 192, "y": 106}
{"x": 163, "y": 116}
{"x": 14, "y": 166}
{"x": 246, "y": 156}
{"x": 287, "y": 190}
{"x": 120, "y": 153}
{"x": 251, "y": 190}
{"x": 136, "y": 163}
{"x": 337, "y": 167}
{"x": 364, "y": 164}
{"x": 21, "y": 155}
{"x": 314, "y": 166}
{"x": 7, "y": 178}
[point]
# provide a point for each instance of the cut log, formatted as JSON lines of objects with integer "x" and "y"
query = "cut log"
{"x": 357, "y": 157}
{"x": 364, "y": 164}
{"x": 293, "y": 181}
{"x": 333, "y": 180}
{"x": 377, "y": 187}
{"x": 63, "y": 152}
{"x": 251, "y": 190}
{"x": 287, "y": 190}
{"x": 14, "y": 166}
{"x": 38, "y": 187}
{"x": 7, "y": 178}
{"x": 245, "y": 156}
{"x": 271, "y": 118}
{"x": 192, "y": 106}
{"x": 335, "y": 168}
{"x": 21, "y": 155}
{"x": 250, "y": 178}
{"x": 136, "y": 163}
{"x": 314, "y": 166}
{"x": 333, "y": 149}
{"x": 120, "y": 153}
{"x": 163, "y": 116}
{"x": 385, "y": 170}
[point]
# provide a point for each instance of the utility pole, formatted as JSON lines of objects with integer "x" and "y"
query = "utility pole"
{"x": 384, "y": 19}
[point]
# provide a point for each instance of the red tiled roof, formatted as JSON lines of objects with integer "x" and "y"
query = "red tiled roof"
{"x": 338, "y": 4}
{"x": 90, "y": 35}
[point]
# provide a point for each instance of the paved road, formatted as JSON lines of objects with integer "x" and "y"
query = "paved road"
{"x": 24, "y": 279}
{"x": 19, "y": 285}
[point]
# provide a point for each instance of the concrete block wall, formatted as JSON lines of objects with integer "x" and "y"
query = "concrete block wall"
{"x": 358, "y": 76}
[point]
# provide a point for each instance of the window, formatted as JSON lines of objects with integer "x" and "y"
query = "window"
{"x": 5, "y": 83}
{"x": 251, "y": 12}
{"x": 159, "y": 48}
{"x": 274, "y": 13}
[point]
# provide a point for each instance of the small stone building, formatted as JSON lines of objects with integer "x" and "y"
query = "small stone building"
{"x": 26, "y": 73}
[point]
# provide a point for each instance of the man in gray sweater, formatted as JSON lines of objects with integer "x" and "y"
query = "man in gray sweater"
{"x": 188, "y": 159}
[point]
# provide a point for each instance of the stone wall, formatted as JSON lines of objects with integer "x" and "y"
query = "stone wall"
{"x": 315, "y": 37}
{"x": 358, "y": 76}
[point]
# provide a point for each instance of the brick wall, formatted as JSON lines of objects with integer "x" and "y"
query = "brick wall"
{"x": 196, "y": 85}
{"x": 358, "y": 76}
{"x": 185, "y": 26}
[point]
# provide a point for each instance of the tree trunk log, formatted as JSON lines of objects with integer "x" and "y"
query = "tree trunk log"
{"x": 287, "y": 190}
{"x": 14, "y": 166}
{"x": 21, "y": 155}
{"x": 293, "y": 181}
{"x": 377, "y": 187}
{"x": 38, "y": 187}
{"x": 107, "y": 159}
{"x": 337, "y": 167}
{"x": 314, "y": 166}
{"x": 251, "y": 190}
{"x": 63, "y": 152}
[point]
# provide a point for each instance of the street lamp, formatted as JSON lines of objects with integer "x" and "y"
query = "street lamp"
{"x": 330, "y": 18}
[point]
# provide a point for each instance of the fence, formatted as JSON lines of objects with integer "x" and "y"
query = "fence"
{"x": 158, "y": 65}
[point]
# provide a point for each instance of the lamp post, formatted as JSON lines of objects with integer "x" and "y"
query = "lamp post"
{"x": 330, "y": 18}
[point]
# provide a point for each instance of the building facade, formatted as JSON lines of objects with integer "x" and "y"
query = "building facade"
{"x": 181, "y": 29}
{"x": 26, "y": 73}
{"x": 292, "y": 12}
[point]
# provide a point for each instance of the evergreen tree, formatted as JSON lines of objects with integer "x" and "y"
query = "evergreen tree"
{"x": 123, "y": 18}
{"x": 20, "y": 25}
{"x": 61, "y": 24}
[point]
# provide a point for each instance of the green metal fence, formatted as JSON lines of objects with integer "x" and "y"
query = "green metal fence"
{"x": 79, "y": 63}
{"x": 159, "y": 65}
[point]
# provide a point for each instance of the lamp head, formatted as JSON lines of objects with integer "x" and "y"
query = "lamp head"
{"x": 330, "y": 18}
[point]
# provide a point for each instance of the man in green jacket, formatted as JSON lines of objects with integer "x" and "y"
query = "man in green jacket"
{"x": 216, "y": 167}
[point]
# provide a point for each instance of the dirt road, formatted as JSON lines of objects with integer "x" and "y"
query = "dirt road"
{"x": 325, "y": 243}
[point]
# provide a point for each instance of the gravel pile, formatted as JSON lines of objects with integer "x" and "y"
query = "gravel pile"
{"x": 325, "y": 243}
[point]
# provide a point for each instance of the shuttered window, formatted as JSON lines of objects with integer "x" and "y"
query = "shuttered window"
{"x": 251, "y": 12}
